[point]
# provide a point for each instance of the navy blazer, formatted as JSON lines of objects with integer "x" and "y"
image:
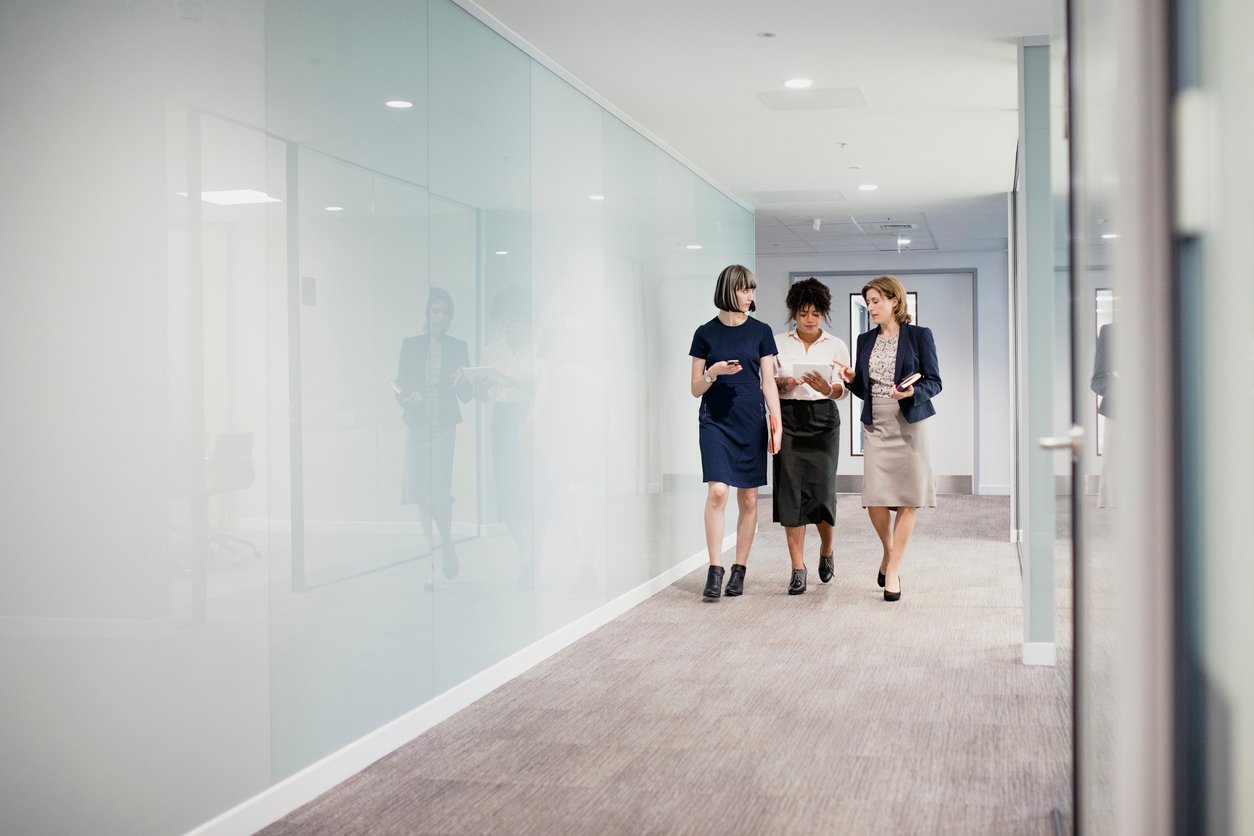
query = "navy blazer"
{"x": 916, "y": 352}
{"x": 411, "y": 375}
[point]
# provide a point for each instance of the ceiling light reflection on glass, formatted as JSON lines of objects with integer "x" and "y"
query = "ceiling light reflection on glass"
{"x": 596, "y": 197}
{"x": 693, "y": 247}
{"x": 867, "y": 187}
{"x": 502, "y": 252}
{"x": 1110, "y": 236}
{"x": 399, "y": 104}
{"x": 798, "y": 83}
{"x": 335, "y": 208}
{"x": 234, "y": 197}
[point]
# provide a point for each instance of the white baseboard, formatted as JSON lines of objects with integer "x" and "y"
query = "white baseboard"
{"x": 1040, "y": 653}
{"x": 1016, "y": 535}
{"x": 994, "y": 490}
{"x": 276, "y": 802}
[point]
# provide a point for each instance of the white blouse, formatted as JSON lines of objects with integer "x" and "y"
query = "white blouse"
{"x": 824, "y": 350}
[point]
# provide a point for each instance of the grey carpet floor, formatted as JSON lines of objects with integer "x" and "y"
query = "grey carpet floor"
{"x": 830, "y": 712}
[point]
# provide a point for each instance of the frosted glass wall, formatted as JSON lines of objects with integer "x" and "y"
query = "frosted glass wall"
{"x": 249, "y": 514}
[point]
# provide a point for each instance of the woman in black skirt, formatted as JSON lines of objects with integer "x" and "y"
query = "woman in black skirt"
{"x": 805, "y": 469}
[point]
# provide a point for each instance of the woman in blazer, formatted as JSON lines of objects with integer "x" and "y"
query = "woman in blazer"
{"x": 897, "y": 462}
{"x": 428, "y": 385}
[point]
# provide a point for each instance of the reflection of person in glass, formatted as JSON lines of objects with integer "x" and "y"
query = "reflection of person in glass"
{"x": 897, "y": 460}
{"x": 733, "y": 373}
{"x": 509, "y": 388}
{"x": 428, "y": 385}
{"x": 1103, "y": 384}
{"x": 805, "y": 468}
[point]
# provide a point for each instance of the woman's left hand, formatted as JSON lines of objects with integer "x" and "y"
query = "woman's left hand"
{"x": 898, "y": 395}
{"x": 818, "y": 383}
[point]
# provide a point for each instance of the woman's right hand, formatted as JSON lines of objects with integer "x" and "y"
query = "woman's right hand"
{"x": 844, "y": 371}
{"x": 723, "y": 367}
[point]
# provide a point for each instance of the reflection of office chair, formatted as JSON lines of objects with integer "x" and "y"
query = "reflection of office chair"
{"x": 230, "y": 468}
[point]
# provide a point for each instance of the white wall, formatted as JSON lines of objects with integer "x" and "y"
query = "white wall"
{"x": 992, "y": 358}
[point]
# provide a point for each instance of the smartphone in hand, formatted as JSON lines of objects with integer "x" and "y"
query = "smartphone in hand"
{"x": 909, "y": 381}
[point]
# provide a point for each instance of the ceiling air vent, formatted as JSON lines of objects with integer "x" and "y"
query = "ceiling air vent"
{"x": 893, "y": 227}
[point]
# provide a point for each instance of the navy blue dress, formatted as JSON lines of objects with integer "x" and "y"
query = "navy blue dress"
{"x": 733, "y": 410}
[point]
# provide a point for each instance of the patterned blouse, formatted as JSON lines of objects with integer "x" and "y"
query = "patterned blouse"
{"x": 435, "y": 363}
{"x": 883, "y": 366}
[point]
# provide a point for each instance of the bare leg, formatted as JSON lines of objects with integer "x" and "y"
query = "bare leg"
{"x": 881, "y": 519}
{"x": 796, "y": 536}
{"x": 903, "y": 526}
{"x": 715, "y": 505}
{"x": 827, "y": 537}
{"x": 747, "y": 524}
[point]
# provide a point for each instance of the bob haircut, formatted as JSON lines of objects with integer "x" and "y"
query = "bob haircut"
{"x": 439, "y": 294}
{"x": 809, "y": 291}
{"x": 890, "y": 287}
{"x": 733, "y": 278}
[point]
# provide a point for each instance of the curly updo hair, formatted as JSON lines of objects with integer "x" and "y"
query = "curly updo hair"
{"x": 809, "y": 291}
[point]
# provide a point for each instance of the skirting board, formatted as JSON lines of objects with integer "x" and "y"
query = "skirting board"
{"x": 1040, "y": 653}
{"x": 276, "y": 802}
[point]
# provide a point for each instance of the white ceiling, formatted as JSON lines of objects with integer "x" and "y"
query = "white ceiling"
{"x": 937, "y": 133}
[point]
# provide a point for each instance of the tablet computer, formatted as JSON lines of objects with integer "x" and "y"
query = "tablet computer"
{"x": 475, "y": 374}
{"x": 802, "y": 369}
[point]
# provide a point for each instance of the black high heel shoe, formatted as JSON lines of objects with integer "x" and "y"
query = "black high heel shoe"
{"x": 797, "y": 584}
{"x": 826, "y": 569}
{"x": 880, "y": 579}
{"x": 893, "y": 596}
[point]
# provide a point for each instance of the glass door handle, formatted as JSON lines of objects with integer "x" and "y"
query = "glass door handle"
{"x": 1073, "y": 441}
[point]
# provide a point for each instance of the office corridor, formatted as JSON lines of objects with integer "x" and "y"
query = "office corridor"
{"x": 830, "y": 712}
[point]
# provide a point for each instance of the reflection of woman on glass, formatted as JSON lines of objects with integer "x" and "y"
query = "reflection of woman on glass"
{"x": 733, "y": 373}
{"x": 804, "y": 490}
{"x": 509, "y": 388}
{"x": 428, "y": 385}
{"x": 897, "y": 463}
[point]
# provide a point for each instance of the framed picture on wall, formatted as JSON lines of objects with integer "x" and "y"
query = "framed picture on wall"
{"x": 859, "y": 323}
{"x": 1104, "y": 306}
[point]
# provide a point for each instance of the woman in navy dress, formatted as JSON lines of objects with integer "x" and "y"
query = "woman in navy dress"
{"x": 733, "y": 373}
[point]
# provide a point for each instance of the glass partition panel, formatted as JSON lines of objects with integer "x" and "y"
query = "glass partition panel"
{"x": 480, "y": 157}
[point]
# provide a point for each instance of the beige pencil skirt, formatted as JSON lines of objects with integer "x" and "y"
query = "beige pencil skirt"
{"x": 897, "y": 460}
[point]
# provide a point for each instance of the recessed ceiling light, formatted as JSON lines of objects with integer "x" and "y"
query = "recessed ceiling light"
{"x": 867, "y": 187}
{"x": 694, "y": 246}
{"x": 335, "y": 208}
{"x": 234, "y": 197}
{"x": 798, "y": 83}
{"x": 901, "y": 242}
{"x": 1110, "y": 235}
{"x": 502, "y": 252}
{"x": 596, "y": 197}
{"x": 399, "y": 104}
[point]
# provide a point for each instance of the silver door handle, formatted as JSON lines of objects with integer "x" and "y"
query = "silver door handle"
{"x": 1073, "y": 441}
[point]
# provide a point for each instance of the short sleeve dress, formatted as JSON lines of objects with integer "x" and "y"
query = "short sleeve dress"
{"x": 733, "y": 410}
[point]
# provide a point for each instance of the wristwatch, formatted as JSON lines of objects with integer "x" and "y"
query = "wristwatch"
{"x": 707, "y": 377}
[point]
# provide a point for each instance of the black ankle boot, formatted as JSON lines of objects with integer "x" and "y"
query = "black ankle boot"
{"x": 797, "y": 584}
{"x": 713, "y": 584}
{"x": 826, "y": 569}
{"x": 736, "y": 581}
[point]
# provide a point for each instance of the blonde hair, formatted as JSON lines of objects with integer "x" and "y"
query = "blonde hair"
{"x": 733, "y": 278}
{"x": 890, "y": 287}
